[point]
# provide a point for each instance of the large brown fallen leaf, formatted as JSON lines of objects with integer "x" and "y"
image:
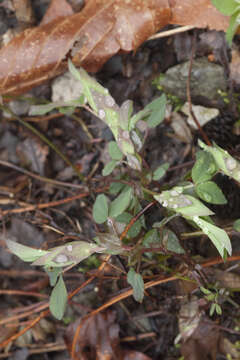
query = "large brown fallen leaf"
{"x": 91, "y": 37}
{"x": 98, "y": 339}
{"x": 200, "y": 338}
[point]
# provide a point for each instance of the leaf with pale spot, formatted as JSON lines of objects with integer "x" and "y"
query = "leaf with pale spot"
{"x": 69, "y": 254}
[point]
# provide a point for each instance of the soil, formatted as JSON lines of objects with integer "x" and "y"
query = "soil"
{"x": 127, "y": 76}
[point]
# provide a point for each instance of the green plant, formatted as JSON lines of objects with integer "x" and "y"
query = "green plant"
{"x": 122, "y": 204}
{"x": 212, "y": 297}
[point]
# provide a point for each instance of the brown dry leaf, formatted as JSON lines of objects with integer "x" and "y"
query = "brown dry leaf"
{"x": 203, "y": 343}
{"x": 227, "y": 279}
{"x": 34, "y": 153}
{"x": 135, "y": 355}
{"x": 198, "y": 13}
{"x": 57, "y": 9}
{"x": 200, "y": 338}
{"x": 235, "y": 67}
{"x": 228, "y": 348}
{"x": 90, "y": 38}
{"x": 98, "y": 339}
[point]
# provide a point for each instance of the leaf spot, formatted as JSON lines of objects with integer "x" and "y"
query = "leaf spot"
{"x": 101, "y": 114}
{"x": 231, "y": 164}
{"x": 109, "y": 101}
{"x": 69, "y": 248}
{"x": 61, "y": 258}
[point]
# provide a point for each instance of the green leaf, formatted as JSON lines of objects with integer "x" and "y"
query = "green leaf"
{"x": 205, "y": 291}
{"x": 63, "y": 107}
{"x": 25, "y": 253}
{"x": 151, "y": 238}
{"x": 236, "y": 225}
{"x": 210, "y": 297}
{"x": 112, "y": 120}
{"x": 68, "y": 254}
{"x": 58, "y": 299}
{"x": 204, "y": 167}
{"x": 125, "y": 142}
{"x": 100, "y": 209}
{"x": 218, "y": 236}
{"x": 121, "y": 203}
{"x": 125, "y": 113}
{"x": 226, "y": 7}
{"x": 136, "y": 281}
{"x": 164, "y": 221}
{"x": 195, "y": 208}
{"x": 135, "y": 118}
{"x": 171, "y": 242}
{"x": 114, "y": 151}
{"x": 212, "y": 309}
{"x": 115, "y": 188}
{"x": 211, "y": 193}
{"x": 125, "y": 218}
{"x": 160, "y": 171}
{"x": 218, "y": 310}
{"x": 225, "y": 162}
{"x": 109, "y": 167}
{"x": 42, "y": 109}
{"x": 134, "y": 161}
{"x": 110, "y": 242}
{"x": 158, "y": 108}
{"x": 53, "y": 274}
{"x": 233, "y": 25}
{"x": 183, "y": 204}
{"x": 88, "y": 83}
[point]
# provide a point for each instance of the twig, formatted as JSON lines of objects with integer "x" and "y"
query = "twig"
{"x": 23, "y": 293}
{"x": 39, "y": 177}
{"x": 40, "y": 350}
{"x": 138, "y": 337}
{"x": 135, "y": 218}
{"x": 45, "y": 140}
{"x": 46, "y": 312}
{"x": 49, "y": 204}
{"x": 189, "y": 93}
{"x": 171, "y": 32}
